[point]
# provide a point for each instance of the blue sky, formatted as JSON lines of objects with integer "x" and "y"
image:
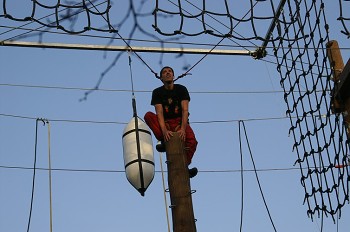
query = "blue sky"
{"x": 87, "y": 135}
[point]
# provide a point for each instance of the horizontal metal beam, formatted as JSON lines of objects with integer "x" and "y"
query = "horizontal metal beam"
{"x": 125, "y": 48}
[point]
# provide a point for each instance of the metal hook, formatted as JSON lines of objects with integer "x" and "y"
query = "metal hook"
{"x": 44, "y": 120}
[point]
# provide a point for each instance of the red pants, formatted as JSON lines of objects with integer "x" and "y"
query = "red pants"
{"x": 173, "y": 125}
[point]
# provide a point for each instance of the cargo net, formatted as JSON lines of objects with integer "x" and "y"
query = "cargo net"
{"x": 193, "y": 18}
{"x": 321, "y": 140}
{"x": 345, "y": 16}
{"x": 88, "y": 14}
{"x": 172, "y": 17}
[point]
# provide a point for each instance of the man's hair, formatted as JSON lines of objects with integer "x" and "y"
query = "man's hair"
{"x": 160, "y": 74}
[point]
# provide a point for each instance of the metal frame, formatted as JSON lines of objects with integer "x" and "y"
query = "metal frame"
{"x": 125, "y": 48}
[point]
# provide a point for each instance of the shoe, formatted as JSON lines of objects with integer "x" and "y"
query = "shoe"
{"x": 160, "y": 147}
{"x": 192, "y": 172}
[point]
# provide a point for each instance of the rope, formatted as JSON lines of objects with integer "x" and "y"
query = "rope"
{"x": 187, "y": 72}
{"x": 34, "y": 173}
{"x": 322, "y": 220}
{"x": 50, "y": 177}
{"x": 228, "y": 35}
{"x": 26, "y": 24}
{"x": 202, "y": 16}
{"x": 111, "y": 28}
{"x": 256, "y": 173}
{"x": 126, "y": 42}
{"x": 155, "y": 73}
{"x": 123, "y": 171}
{"x": 56, "y": 24}
{"x": 221, "y": 23}
{"x": 321, "y": 143}
{"x": 131, "y": 76}
{"x": 137, "y": 132}
{"x": 133, "y": 93}
{"x": 242, "y": 177}
{"x": 124, "y": 123}
{"x": 141, "y": 91}
{"x": 343, "y": 19}
{"x": 164, "y": 190}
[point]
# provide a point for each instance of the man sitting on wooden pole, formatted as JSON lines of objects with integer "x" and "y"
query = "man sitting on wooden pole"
{"x": 171, "y": 102}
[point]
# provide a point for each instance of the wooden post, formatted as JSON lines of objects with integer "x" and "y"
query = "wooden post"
{"x": 179, "y": 186}
{"x": 347, "y": 117}
{"x": 341, "y": 76}
{"x": 343, "y": 93}
{"x": 335, "y": 58}
{"x": 337, "y": 66}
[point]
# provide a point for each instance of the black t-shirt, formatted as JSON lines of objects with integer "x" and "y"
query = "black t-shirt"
{"x": 170, "y": 100}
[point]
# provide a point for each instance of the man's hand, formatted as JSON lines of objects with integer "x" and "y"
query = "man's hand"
{"x": 167, "y": 135}
{"x": 182, "y": 134}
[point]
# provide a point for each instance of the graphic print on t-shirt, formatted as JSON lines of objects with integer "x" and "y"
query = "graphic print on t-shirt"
{"x": 171, "y": 106}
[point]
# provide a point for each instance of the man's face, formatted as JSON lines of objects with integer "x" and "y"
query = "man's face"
{"x": 167, "y": 75}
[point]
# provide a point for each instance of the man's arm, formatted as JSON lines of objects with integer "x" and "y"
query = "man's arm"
{"x": 184, "y": 119}
{"x": 159, "y": 111}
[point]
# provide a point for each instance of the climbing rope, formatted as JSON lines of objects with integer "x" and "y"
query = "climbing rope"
{"x": 242, "y": 176}
{"x": 49, "y": 169}
{"x": 164, "y": 191}
{"x": 255, "y": 171}
{"x": 44, "y": 121}
{"x": 34, "y": 174}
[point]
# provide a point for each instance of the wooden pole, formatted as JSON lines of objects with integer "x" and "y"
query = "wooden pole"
{"x": 335, "y": 59}
{"x": 179, "y": 186}
{"x": 337, "y": 66}
{"x": 341, "y": 77}
{"x": 344, "y": 94}
{"x": 347, "y": 117}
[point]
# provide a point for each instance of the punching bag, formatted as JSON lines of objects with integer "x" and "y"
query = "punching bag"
{"x": 138, "y": 154}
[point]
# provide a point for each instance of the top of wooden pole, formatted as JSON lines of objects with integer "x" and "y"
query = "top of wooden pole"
{"x": 335, "y": 59}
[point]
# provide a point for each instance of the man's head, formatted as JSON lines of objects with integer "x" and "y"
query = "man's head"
{"x": 167, "y": 74}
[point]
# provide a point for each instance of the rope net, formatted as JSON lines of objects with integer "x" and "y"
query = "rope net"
{"x": 320, "y": 137}
{"x": 299, "y": 32}
{"x": 224, "y": 18}
{"x": 344, "y": 16}
{"x": 181, "y": 17}
{"x": 85, "y": 14}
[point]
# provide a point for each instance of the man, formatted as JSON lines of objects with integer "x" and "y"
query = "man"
{"x": 171, "y": 102}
